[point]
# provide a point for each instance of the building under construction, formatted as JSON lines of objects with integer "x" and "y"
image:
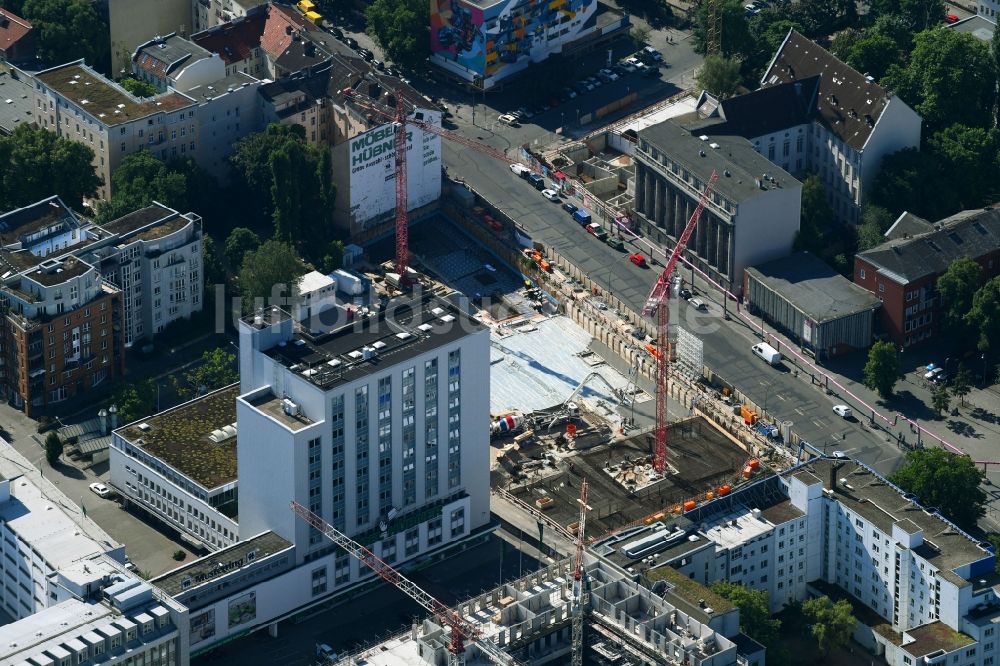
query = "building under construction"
{"x": 625, "y": 623}
{"x": 702, "y": 462}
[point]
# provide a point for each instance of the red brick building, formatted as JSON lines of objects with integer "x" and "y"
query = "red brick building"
{"x": 18, "y": 39}
{"x": 903, "y": 271}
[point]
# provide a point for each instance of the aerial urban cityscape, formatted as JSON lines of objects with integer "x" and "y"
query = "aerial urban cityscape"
{"x": 499, "y": 332}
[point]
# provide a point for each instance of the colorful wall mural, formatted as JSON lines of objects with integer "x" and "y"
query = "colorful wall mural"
{"x": 507, "y": 34}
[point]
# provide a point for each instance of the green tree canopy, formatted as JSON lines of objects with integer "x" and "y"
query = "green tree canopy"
{"x": 940, "y": 400}
{"x": 831, "y": 624}
{"x": 138, "y": 88}
{"x": 719, "y": 76}
{"x": 917, "y": 14}
{"x": 218, "y": 368}
{"x": 819, "y": 18}
{"x": 817, "y": 217}
{"x": 949, "y": 79}
{"x": 956, "y": 289}
{"x": 909, "y": 180}
{"x": 737, "y": 41}
{"x": 968, "y": 155}
{"x": 882, "y": 369}
{"x": 944, "y": 480}
{"x": 214, "y": 272}
{"x": 961, "y": 384}
{"x": 142, "y": 179}
{"x": 400, "y": 28}
{"x": 240, "y": 241}
{"x": 875, "y": 221}
{"x": 755, "y": 613}
{"x": 984, "y": 317}
{"x": 874, "y": 54}
{"x": 35, "y": 164}
{"x": 53, "y": 448}
{"x": 135, "y": 400}
{"x": 269, "y": 275}
{"x": 69, "y": 30}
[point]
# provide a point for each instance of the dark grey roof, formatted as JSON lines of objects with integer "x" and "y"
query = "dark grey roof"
{"x": 978, "y": 26}
{"x": 16, "y": 87}
{"x": 812, "y": 287}
{"x": 210, "y": 91}
{"x": 763, "y": 111}
{"x": 848, "y": 104}
{"x": 734, "y": 155}
{"x": 163, "y": 55}
{"x": 907, "y": 225}
{"x": 970, "y": 233}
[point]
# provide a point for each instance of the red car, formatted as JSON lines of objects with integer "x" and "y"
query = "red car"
{"x": 951, "y": 18}
{"x": 637, "y": 259}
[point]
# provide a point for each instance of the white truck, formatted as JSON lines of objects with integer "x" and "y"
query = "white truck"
{"x": 768, "y": 353}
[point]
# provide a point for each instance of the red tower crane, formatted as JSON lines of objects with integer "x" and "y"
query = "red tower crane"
{"x": 659, "y": 303}
{"x": 401, "y": 116}
{"x": 578, "y": 582}
{"x": 461, "y": 629}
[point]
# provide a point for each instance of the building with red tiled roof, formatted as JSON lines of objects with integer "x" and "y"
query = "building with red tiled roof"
{"x": 238, "y": 43}
{"x": 17, "y": 38}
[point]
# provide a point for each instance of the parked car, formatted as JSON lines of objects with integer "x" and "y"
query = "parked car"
{"x": 551, "y": 195}
{"x": 520, "y": 169}
{"x": 100, "y": 490}
{"x": 616, "y": 243}
{"x": 597, "y": 230}
{"x": 843, "y": 411}
{"x": 627, "y": 65}
{"x": 638, "y": 334}
{"x": 570, "y": 208}
{"x": 685, "y": 294}
{"x": 698, "y": 304}
{"x": 508, "y": 119}
{"x": 536, "y": 180}
{"x": 951, "y": 18}
{"x": 569, "y": 92}
{"x": 337, "y": 32}
{"x": 608, "y": 74}
{"x": 933, "y": 371}
{"x": 637, "y": 259}
{"x": 652, "y": 54}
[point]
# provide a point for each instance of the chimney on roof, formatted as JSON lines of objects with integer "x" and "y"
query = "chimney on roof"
{"x": 288, "y": 29}
{"x": 834, "y": 471}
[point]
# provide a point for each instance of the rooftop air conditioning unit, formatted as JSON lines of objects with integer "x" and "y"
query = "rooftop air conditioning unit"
{"x": 289, "y": 407}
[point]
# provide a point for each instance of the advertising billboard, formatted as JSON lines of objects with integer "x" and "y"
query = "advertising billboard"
{"x": 371, "y": 161}
{"x": 507, "y": 35}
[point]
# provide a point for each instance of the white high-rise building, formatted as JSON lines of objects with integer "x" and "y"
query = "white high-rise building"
{"x": 377, "y": 420}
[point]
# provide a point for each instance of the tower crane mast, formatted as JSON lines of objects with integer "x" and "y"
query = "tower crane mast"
{"x": 658, "y": 303}
{"x": 578, "y": 582}
{"x": 461, "y": 629}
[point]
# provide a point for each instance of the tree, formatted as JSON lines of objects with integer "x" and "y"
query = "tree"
{"x": 949, "y": 79}
{"x": 69, "y": 30}
{"x": 35, "y": 164}
{"x": 252, "y": 167}
{"x": 969, "y": 156}
{"x": 882, "y": 369}
{"x": 400, "y": 28}
{"x": 816, "y": 218}
{"x": 875, "y": 221}
{"x": 844, "y": 41}
{"x": 918, "y": 14}
{"x": 240, "y": 241}
{"x": 940, "y": 400}
{"x": 984, "y": 317}
{"x": 831, "y": 623}
{"x": 214, "y": 272}
{"x": 956, "y": 289}
{"x": 269, "y": 274}
{"x": 719, "y": 76}
{"x": 823, "y": 17}
{"x": 135, "y": 400}
{"x": 639, "y": 36}
{"x": 874, "y": 54}
{"x": 139, "y": 180}
{"x": 138, "y": 88}
{"x": 909, "y": 180}
{"x": 945, "y": 480}
{"x": 961, "y": 384}
{"x": 755, "y": 614}
{"x": 334, "y": 257}
{"x": 218, "y": 368}
{"x": 53, "y": 448}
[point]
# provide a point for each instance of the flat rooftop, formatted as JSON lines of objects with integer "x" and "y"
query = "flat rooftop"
{"x": 104, "y": 100}
{"x": 229, "y": 559}
{"x": 273, "y": 406}
{"x": 884, "y": 505}
{"x": 935, "y": 636}
{"x": 350, "y": 343}
{"x": 138, "y": 219}
{"x": 689, "y": 595}
{"x": 180, "y": 437}
{"x": 813, "y": 288}
{"x": 67, "y": 269}
{"x": 703, "y": 457}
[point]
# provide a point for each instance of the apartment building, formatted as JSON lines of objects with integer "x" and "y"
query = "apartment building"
{"x": 377, "y": 422}
{"x": 180, "y": 466}
{"x": 852, "y": 123}
{"x": 752, "y": 216}
{"x": 988, "y": 9}
{"x": 834, "y": 526}
{"x": 207, "y": 14}
{"x": 154, "y": 256}
{"x": 132, "y": 22}
{"x": 79, "y": 104}
{"x": 171, "y": 61}
{"x": 903, "y": 271}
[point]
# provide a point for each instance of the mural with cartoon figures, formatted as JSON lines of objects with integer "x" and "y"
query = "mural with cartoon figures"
{"x": 507, "y": 34}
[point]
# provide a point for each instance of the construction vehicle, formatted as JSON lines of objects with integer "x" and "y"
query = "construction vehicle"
{"x": 461, "y": 629}
{"x": 658, "y": 304}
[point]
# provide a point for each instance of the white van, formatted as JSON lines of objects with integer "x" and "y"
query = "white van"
{"x": 768, "y": 353}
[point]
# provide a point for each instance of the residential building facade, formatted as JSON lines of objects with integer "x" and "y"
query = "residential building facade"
{"x": 207, "y": 14}
{"x": 854, "y": 124}
{"x": 18, "y": 39}
{"x": 171, "y": 61}
{"x": 132, "y": 22}
{"x": 903, "y": 271}
{"x": 79, "y": 104}
{"x": 751, "y": 217}
{"x": 988, "y": 9}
